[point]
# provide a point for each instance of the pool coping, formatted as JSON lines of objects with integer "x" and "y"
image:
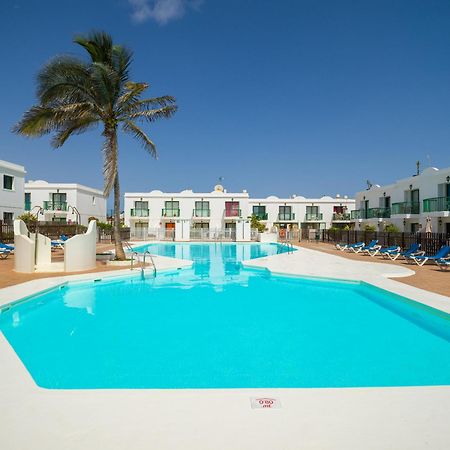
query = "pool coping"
{"x": 375, "y": 418}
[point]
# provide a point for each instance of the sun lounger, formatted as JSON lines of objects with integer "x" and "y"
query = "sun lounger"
{"x": 346, "y": 247}
{"x": 413, "y": 250}
{"x": 422, "y": 259}
{"x": 4, "y": 253}
{"x": 7, "y": 247}
{"x": 57, "y": 244}
{"x": 377, "y": 250}
{"x": 370, "y": 246}
{"x": 443, "y": 263}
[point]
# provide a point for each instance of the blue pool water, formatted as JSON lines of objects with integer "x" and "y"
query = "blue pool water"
{"x": 218, "y": 325}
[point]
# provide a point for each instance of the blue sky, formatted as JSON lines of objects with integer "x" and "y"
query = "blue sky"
{"x": 306, "y": 97}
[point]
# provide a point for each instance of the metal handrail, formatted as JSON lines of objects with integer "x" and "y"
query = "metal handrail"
{"x": 152, "y": 260}
{"x": 132, "y": 259}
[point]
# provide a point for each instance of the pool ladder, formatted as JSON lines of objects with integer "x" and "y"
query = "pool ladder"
{"x": 289, "y": 246}
{"x": 136, "y": 255}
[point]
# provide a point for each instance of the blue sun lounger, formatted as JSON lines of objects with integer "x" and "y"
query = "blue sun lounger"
{"x": 372, "y": 245}
{"x": 422, "y": 259}
{"x": 343, "y": 246}
{"x": 413, "y": 250}
{"x": 377, "y": 250}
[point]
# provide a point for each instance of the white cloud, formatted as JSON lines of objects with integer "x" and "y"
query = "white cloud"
{"x": 161, "y": 11}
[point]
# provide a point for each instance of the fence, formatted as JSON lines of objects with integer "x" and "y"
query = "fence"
{"x": 429, "y": 242}
{"x": 54, "y": 230}
{"x": 107, "y": 236}
{"x": 199, "y": 234}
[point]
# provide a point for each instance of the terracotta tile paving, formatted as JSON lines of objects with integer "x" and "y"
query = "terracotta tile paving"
{"x": 428, "y": 277}
{"x": 9, "y": 277}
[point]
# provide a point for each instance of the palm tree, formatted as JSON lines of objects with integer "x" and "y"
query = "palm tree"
{"x": 75, "y": 96}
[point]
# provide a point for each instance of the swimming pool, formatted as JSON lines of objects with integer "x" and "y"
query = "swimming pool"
{"x": 218, "y": 325}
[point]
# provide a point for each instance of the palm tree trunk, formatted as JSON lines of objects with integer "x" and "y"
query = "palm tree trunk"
{"x": 120, "y": 254}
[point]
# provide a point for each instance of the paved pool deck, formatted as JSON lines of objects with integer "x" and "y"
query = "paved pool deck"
{"x": 406, "y": 418}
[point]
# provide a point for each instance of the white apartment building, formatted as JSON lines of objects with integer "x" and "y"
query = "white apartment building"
{"x": 149, "y": 214}
{"x": 305, "y": 213}
{"x": 12, "y": 180}
{"x": 413, "y": 204}
{"x": 64, "y": 202}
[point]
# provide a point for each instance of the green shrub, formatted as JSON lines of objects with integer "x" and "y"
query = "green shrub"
{"x": 370, "y": 227}
{"x": 391, "y": 228}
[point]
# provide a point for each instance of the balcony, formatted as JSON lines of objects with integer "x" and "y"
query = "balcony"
{"x": 313, "y": 217}
{"x": 140, "y": 212}
{"x": 378, "y": 213}
{"x": 170, "y": 212}
{"x": 405, "y": 208}
{"x": 356, "y": 214}
{"x": 343, "y": 217}
{"x": 233, "y": 213}
{"x": 283, "y": 217}
{"x": 437, "y": 204}
{"x": 201, "y": 213}
{"x": 55, "y": 206}
{"x": 261, "y": 216}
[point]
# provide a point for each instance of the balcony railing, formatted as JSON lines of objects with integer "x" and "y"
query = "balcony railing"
{"x": 201, "y": 213}
{"x": 405, "y": 208}
{"x": 170, "y": 212}
{"x": 286, "y": 216}
{"x": 311, "y": 217}
{"x": 233, "y": 213}
{"x": 139, "y": 212}
{"x": 378, "y": 213}
{"x": 27, "y": 206}
{"x": 342, "y": 216}
{"x": 436, "y": 204}
{"x": 356, "y": 214}
{"x": 261, "y": 216}
{"x": 55, "y": 206}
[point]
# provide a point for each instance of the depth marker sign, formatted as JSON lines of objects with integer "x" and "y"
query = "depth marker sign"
{"x": 265, "y": 403}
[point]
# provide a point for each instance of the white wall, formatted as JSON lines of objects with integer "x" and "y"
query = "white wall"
{"x": 12, "y": 201}
{"x": 217, "y": 220}
{"x": 89, "y": 202}
{"x": 156, "y": 203}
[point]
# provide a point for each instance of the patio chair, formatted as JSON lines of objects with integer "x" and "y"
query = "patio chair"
{"x": 378, "y": 250}
{"x": 422, "y": 259}
{"x": 370, "y": 246}
{"x": 413, "y": 250}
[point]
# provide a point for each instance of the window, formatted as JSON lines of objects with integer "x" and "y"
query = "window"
{"x": 141, "y": 205}
{"x": 8, "y": 217}
{"x": 285, "y": 213}
{"x": 201, "y": 209}
{"x": 232, "y": 209}
{"x": 8, "y": 182}
{"x": 172, "y": 208}
{"x": 313, "y": 210}
{"x": 93, "y": 201}
{"x": 260, "y": 212}
{"x": 27, "y": 201}
{"x": 59, "y": 201}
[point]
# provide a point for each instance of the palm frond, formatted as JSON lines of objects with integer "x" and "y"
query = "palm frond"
{"x": 133, "y": 104}
{"x": 63, "y": 78}
{"x": 76, "y": 127}
{"x": 151, "y": 115}
{"x": 99, "y": 46}
{"x": 148, "y": 145}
